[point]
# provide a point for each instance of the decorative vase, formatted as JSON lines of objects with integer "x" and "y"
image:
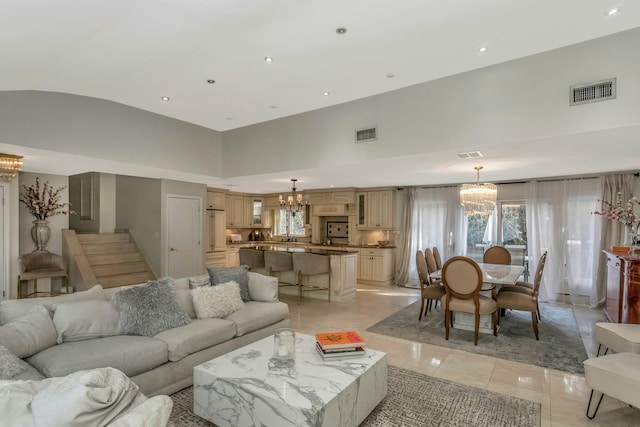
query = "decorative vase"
{"x": 40, "y": 233}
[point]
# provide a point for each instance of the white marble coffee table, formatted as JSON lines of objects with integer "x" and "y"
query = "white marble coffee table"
{"x": 249, "y": 387}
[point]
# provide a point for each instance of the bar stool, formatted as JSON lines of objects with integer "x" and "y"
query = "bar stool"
{"x": 254, "y": 258}
{"x": 40, "y": 265}
{"x": 305, "y": 264}
{"x": 278, "y": 261}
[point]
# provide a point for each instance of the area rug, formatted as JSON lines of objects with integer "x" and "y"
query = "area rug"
{"x": 415, "y": 400}
{"x": 560, "y": 346}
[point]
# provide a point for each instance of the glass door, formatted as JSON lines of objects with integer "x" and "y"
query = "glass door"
{"x": 512, "y": 229}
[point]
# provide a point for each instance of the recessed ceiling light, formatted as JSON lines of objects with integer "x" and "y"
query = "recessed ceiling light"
{"x": 613, "y": 11}
{"x": 165, "y": 98}
{"x": 325, "y": 93}
{"x": 390, "y": 75}
{"x": 211, "y": 81}
{"x": 268, "y": 59}
{"x": 341, "y": 30}
{"x": 483, "y": 49}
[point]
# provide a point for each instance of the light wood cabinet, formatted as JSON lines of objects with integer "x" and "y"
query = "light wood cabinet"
{"x": 375, "y": 209}
{"x": 232, "y": 257}
{"x": 235, "y": 210}
{"x": 344, "y": 197}
{"x": 215, "y": 200}
{"x": 216, "y": 259}
{"x": 376, "y": 266}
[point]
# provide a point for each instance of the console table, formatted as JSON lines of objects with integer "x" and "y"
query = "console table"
{"x": 623, "y": 288}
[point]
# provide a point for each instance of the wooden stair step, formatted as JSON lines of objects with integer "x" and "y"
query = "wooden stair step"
{"x": 124, "y": 279}
{"x": 108, "y": 248}
{"x": 102, "y": 259}
{"x": 122, "y": 268}
{"x": 91, "y": 238}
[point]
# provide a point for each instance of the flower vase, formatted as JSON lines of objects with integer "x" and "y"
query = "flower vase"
{"x": 40, "y": 234}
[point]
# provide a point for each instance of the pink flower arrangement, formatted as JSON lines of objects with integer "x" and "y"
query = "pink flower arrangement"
{"x": 46, "y": 203}
{"x": 626, "y": 214}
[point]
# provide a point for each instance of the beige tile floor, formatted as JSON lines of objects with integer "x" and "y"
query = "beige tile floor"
{"x": 563, "y": 396}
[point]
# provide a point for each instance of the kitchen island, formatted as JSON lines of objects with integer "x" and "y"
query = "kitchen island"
{"x": 343, "y": 265}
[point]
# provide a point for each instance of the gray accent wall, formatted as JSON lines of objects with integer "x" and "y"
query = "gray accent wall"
{"x": 107, "y": 130}
{"x": 509, "y": 103}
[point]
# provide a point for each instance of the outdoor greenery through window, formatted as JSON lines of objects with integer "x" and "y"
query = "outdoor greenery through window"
{"x": 295, "y": 220}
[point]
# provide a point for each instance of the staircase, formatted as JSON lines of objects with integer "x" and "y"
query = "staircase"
{"x": 115, "y": 259}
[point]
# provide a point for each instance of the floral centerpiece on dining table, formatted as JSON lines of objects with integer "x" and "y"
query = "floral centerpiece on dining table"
{"x": 43, "y": 202}
{"x": 625, "y": 213}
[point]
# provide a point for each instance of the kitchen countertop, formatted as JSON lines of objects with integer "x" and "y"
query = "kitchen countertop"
{"x": 305, "y": 244}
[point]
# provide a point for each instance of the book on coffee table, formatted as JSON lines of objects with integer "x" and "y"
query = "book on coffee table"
{"x": 339, "y": 340}
{"x": 335, "y": 354}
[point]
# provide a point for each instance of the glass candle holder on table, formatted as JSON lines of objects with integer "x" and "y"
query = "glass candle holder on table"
{"x": 284, "y": 343}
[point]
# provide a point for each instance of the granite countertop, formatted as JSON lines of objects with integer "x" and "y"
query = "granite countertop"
{"x": 300, "y": 245}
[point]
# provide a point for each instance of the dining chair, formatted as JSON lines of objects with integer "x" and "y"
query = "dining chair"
{"x": 430, "y": 292}
{"x": 528, "y": 288}
{"x": 432, "y": 267}
{"x": 436, "y": 256}
{"x": 522, "y": 300}
{"x": 497, "y": 255}
{"x": 462, "y": 279}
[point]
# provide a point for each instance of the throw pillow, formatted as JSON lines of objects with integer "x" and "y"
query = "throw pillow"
{"x": 263, "y": 288}
{"x": 199, "y": 281}
{"x": 10, "y": 364}
{"x": 85, "y": 320}
{"x": 217, "y": 301}
{"x": 29, "y": 334}
{"x": 149, "y": 309}
{"x": 236, "y": 274}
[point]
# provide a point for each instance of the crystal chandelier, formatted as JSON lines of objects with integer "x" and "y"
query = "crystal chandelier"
{"x": 478, "y": 198}
{"x": 10, "y": 165}
{"x": 294, "y": 202}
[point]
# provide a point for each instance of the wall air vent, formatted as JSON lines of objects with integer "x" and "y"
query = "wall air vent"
{"x": 367, "y": 134}
{"x": 593, "y": 92}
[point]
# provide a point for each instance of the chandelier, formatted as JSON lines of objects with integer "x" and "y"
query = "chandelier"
{"x": 478, "y": 198}
{"x": 10, "y": 165}
{"x": 294, "y": 202}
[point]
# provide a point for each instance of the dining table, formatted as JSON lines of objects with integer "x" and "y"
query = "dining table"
{"x": 494, "y": 276}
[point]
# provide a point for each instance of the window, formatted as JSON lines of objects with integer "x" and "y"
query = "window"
{"x": 294, "y": 221}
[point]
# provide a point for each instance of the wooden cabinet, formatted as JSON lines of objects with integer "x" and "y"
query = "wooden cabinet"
{"x": 246, "y": 211}
{"x": 215, "y": 200}
{"x": 217, "y": 233}
{"x": 623, "y": 288}
{"x": 216, "y": 259}
{"x": 375, "y": 209}
{"x": 235, "y": 210}
{"x": 344, "y": 197}
{"x": 376, "y": 266}
{"x": 232, "y": 257}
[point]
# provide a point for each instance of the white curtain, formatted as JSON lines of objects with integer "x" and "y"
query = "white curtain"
{"x": 560, "y": 221}
{"x": 437, "y": 221}
{"x": 403, "y": 241}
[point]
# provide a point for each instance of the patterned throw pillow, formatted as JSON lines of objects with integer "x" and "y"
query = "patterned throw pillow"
{"x": 228, "y": 274}
{"x": 10, "y": 364}
{"x": 217, "y": 301}
{"x": 149, "y": 309}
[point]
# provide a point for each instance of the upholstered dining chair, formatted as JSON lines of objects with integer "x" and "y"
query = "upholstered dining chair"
{"x": 429, "y": 292}
{"x": 497, "y": 255}
{"x": 436, "y": 257}
{"x": 523, "y": 300}
{"x": 525, "y": 287}
{"x": 432, "y": 267}
{"x": 462, "y": 279}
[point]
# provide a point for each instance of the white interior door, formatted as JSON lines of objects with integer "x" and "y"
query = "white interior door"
{"x": 184, "y": 220}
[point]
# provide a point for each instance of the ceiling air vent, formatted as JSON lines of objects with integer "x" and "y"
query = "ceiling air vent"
{"x": 367, "y": 134}
{"x": 593, "y": 92}
{"x": 469, "y": 155}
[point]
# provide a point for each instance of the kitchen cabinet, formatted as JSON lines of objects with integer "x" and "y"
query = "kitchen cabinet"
{"x": 215, "y": 200}
{"x": 235, "y": 210}
{"x": 233, "y": 257}
{"x": 217, "y": 232}
{"x": 216, "y": 259}
{"x": 623, "y": 288}
{"x": 344, "y": 197}
{"x": 375, "y": 209}
{"x": 376, "y": 266}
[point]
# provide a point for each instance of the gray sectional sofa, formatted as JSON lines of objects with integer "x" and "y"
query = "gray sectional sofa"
{"x": 159, "y": 364}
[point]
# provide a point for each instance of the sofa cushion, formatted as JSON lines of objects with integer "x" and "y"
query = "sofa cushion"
{"x": 217, "y": 301}
{"x": 130, "y": 354}
{"x": 13, "y": 309}
{"x": 29, "y": 334}
{"x": 186, "y": 302}
{"x": 149, "y": 309}
{"x": 199, "y": 281}
{"x": 257, "y": 315}
{"x": 227, "y": 274}
{"x": 11, "y": 365}
{"x": 263, "y": 288}
{"x": 85, "y": 320}
{"x": 198, "y": 335}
